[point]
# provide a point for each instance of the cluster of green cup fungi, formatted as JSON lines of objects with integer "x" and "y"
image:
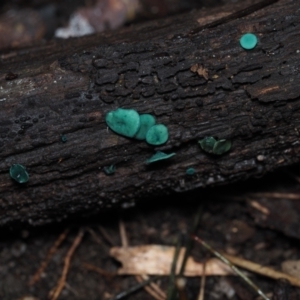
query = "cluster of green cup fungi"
{"x": 213, "y": 146}
{"x": 129, "y": 123}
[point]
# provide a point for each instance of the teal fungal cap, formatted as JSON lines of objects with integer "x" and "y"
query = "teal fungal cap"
{"x": 125, "y": 122}
{"x": 248, "y": 41}
{"x": 207, "y": 144}
{"x": 109, "y": 170}
{"x": 159, "y": 156}
{"x": 221, "y": 147}
{"x": 18, "y": 173}
{"x": 146, "y": 122}
{"x": 64, "y": 138}
{"x": 190, "y": 171}
{"x": 157, "y": 135}
{"x": 211, "y": 145}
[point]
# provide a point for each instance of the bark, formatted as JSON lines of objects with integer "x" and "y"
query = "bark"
{"x": 67, "y": 87}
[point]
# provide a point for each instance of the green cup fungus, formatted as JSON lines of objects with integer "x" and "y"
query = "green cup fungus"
{"x": 146, "y": 121}
{"x": 190, "y": 171}
{"x": 18, "y": 173}
{"x": 64, "y": 138}
{"x": 211, "y": 145}
{"x": 159, "y": 156}
{"x": 207, "y": 144}
{"x": 157, "y": 135}
{"x": 222, "y": 146}
{"x": 109, "y": 170}
{"x": 123, "y": 121}
{"x": 248, "y": 41}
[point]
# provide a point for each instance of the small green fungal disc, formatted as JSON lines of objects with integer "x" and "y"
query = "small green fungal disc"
{"x": 248, "y": 41}
{"x": 63, "y": 138}
{"x": 207, "y": 144}
{"x": 18, "y": 173}
{"x": 123, "y": 121}
{"x": 109, "y": 170}
{"x": 147, "y": 121}
{"x": 190, "y": 171}
{"x": 157, "y": 135}
{"x": 221, "y": 147}
{"x": 159, "y": 156}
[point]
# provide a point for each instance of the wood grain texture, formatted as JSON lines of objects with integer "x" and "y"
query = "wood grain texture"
{"x": 67, "y": 87}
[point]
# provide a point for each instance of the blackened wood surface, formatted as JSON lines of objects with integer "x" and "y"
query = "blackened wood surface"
{"x": 66, "y": 88}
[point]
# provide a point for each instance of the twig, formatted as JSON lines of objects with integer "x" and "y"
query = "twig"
{"x": 99, "y": 270}
{"x": 190, "y": 241}
{"x": 235, "y": 269}
{"x": 181, "y": 288}
{"x": 54, "y": 294}
{"x": 171, "y": 288}
{"x": 236, "y": 15}
{"x": 259, "y": 207}
{"x": 37, "y": 276}
{"x": 202, "y": 285}
{"x": 123, "y": 234}
{"x": 133, "y": 289}
{"x": 106, "y": 236}
{"x": 95, "y": 236}
{"x": 289, "y": 196}
{"x": 259, "y": 269}
{"x": 152, "y": 289}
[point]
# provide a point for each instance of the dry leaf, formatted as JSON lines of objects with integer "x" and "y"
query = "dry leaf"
{"x": 157, "y": 260}
{"x": 291, "y": 267}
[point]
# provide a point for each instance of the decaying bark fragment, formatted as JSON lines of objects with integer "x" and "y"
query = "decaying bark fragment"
{"x": 67, "y": 87}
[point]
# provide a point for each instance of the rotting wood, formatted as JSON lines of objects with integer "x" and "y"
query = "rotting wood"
{"x": 67, "y": 87}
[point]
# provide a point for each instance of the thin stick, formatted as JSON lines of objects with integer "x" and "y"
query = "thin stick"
{"x": 99, "y": 270}
{"x": 123, "y": 234}
{"x": 151, "y": 288}
{"x": 61, "y": 283}
{"x": 155, "y": 287}
{"x": 181, "y": 288}
{"x": 190, "y": 240}
{"x": 171, "y": 288}
{"x": 37, "y": 276}
{"x": 235, "y": 269}
{"x": 95, "y": 236}
{"x": 289, "y": 196}
{"x": 106, "y": 236}
{"x": 133, "y": 289}
{"x": 202, "y": 285}
{"x": 236, "y": 15}
{"x": 259, "y": 269}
